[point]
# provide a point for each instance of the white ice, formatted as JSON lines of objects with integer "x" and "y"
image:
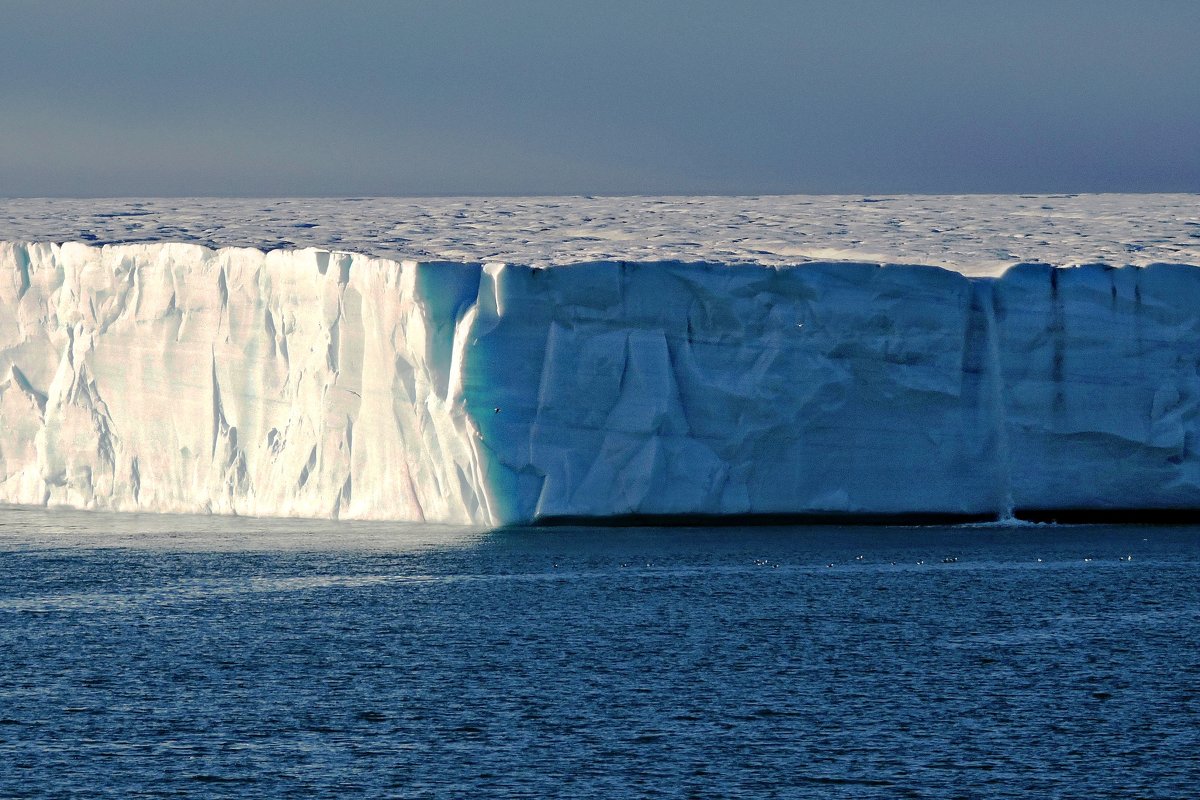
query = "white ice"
{"x": 172, "y": 377}
{"x": 971, "y": 234}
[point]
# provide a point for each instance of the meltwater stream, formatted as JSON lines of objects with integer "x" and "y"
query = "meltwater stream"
{"x": 153, "y": 656}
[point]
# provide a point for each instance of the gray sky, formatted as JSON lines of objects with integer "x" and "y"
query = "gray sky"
{"x": 256, "y": 97}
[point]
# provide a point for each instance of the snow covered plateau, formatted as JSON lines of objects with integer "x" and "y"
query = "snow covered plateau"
{"x": 496, "y": 361}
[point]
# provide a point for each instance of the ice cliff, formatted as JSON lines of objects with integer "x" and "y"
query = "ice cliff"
{"x": 175, "y": 378}
{"x": 172, "y": 377}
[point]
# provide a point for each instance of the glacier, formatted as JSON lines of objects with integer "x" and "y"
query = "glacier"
{"x": 174, "y": 377}
{"x": 977, "y": 235}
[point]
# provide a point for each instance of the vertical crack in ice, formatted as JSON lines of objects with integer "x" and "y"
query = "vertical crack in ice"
{"x": 269, "y": 326}
{"x": 219, "y": 424}
{"x": 331, "y": 353}
{"x": 625, "y": 358}
{"x": 343, "y": 498}
{"x": 21, "y": 254}
{"x": 1058, "y": 336}
{"x": 484, "y": 508}
{"x": 106, "y": 446}
{"x": 283, "y": 343}
{"x": 309, "y": 466}
{"x": 135, "y": 480}
{"x": 25, "y": 386}
{"x": 996, "y": 394}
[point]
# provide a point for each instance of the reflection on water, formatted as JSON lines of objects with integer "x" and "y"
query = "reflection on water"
{"x": 159, "y": 655}
{"x": 23, "y": 528}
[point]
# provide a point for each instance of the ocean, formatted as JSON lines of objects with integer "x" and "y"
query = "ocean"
{"x": 168, "y": 656}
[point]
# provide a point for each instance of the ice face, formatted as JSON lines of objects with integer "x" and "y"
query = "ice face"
{"x": 171, "y": 377}
{"x": 175, "y": 378}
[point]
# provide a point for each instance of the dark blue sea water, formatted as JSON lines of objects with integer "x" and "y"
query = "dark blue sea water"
{"x": 176, "y": 656}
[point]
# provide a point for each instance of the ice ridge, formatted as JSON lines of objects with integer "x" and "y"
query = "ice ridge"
{"x": 172, "y": 377}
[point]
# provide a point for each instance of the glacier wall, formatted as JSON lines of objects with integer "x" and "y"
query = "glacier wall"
{"x": 167, "y": 377}
{"x": 170, "y": 377}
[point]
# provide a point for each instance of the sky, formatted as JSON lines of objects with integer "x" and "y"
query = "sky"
{"x": 529, "y": 97}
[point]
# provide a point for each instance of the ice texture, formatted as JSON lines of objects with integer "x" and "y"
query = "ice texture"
{"x": 173, "y": 377}
{"x": 971, "y": 234}
{"x": 170, "y": 377}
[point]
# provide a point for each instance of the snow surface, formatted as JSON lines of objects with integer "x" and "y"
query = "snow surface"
{"x": 973, "y": 234}
{"x": 172, "y": 377}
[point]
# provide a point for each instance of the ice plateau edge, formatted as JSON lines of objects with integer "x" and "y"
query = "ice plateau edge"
{"x": 170, "y": 377}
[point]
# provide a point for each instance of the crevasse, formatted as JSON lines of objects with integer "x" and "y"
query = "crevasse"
{"x": 170, "y": 377}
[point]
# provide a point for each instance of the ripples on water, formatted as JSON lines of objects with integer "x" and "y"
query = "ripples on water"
{"x": 154, "y": 656}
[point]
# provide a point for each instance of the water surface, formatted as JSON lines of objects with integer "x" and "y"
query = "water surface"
{"x": 153, "y": 656}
